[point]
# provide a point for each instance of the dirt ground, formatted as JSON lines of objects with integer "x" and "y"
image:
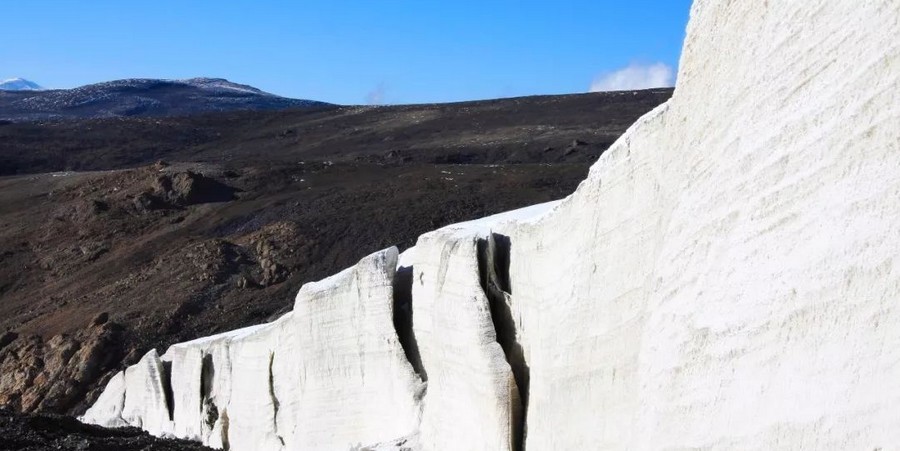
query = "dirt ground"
{"x": 47, "y": 432}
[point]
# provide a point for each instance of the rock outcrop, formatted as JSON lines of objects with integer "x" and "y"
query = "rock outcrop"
{"x": 724, "y": 279}
{"x": 53, "y": 375}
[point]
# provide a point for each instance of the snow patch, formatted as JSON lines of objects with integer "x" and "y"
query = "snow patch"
{"x": 19, "y": 84}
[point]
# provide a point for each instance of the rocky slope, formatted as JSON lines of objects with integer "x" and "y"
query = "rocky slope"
{"x": 723, "y": 279}
{"x": 140, "y": 97}
{"x": 543, "y": 129}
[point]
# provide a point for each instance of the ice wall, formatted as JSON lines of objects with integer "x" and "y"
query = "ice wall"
{"x": 331, "y": 375}
{"x": 726, "y": 278}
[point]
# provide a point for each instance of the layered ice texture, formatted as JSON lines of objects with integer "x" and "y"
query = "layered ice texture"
{"x": 726, "y": 278}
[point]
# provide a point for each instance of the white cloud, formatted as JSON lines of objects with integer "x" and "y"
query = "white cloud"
{"x": 376, "y": 96}
{"x": 635, "y": 76}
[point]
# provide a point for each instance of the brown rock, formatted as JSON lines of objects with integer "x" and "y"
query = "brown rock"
{"x": 100, "y": 319}
{"x": 54, "y": 375}
{"x": 190, "y": 188}
{"x": 7, "y": 338}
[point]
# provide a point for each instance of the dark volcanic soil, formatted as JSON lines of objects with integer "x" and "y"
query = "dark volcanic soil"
{"x": 43, "y": 432}
{"x": 519, "y": 130}
{"x": 98, "y": 267}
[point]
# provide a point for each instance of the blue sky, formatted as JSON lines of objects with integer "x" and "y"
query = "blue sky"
{"x": 350, "y": 52}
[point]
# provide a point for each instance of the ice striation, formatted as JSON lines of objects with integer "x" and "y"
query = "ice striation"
{"x": 725, "y": 278}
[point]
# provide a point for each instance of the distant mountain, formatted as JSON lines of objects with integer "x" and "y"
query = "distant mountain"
{"x": 19, "y": 84}
{"x": 141, "y": 97}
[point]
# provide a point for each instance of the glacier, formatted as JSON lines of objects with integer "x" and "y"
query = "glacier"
{"x": 726, "y": 277}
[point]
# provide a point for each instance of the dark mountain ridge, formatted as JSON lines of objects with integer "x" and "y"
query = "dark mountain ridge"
{"x": 142, "y": 98}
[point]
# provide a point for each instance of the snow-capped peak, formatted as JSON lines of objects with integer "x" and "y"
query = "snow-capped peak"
{"x": 19, "y": 84}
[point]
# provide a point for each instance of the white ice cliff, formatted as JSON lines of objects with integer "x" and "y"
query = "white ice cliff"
{"x": 728, "y": 277}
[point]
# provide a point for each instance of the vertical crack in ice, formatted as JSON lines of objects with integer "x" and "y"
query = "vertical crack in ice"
{"x": 208, "y": 409}
{"x": 121, "y": 409}
{"x": 403, "y": 319}
{"x": 165, "y": 380}
{"x": 493, "y": 269}
{"x": 275, "y": 403}
{"x": 226, "y": 445}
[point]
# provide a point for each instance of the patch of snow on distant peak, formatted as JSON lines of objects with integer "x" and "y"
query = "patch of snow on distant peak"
{"x": 19, "y": 84}
{"x": 221, "y": 83}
